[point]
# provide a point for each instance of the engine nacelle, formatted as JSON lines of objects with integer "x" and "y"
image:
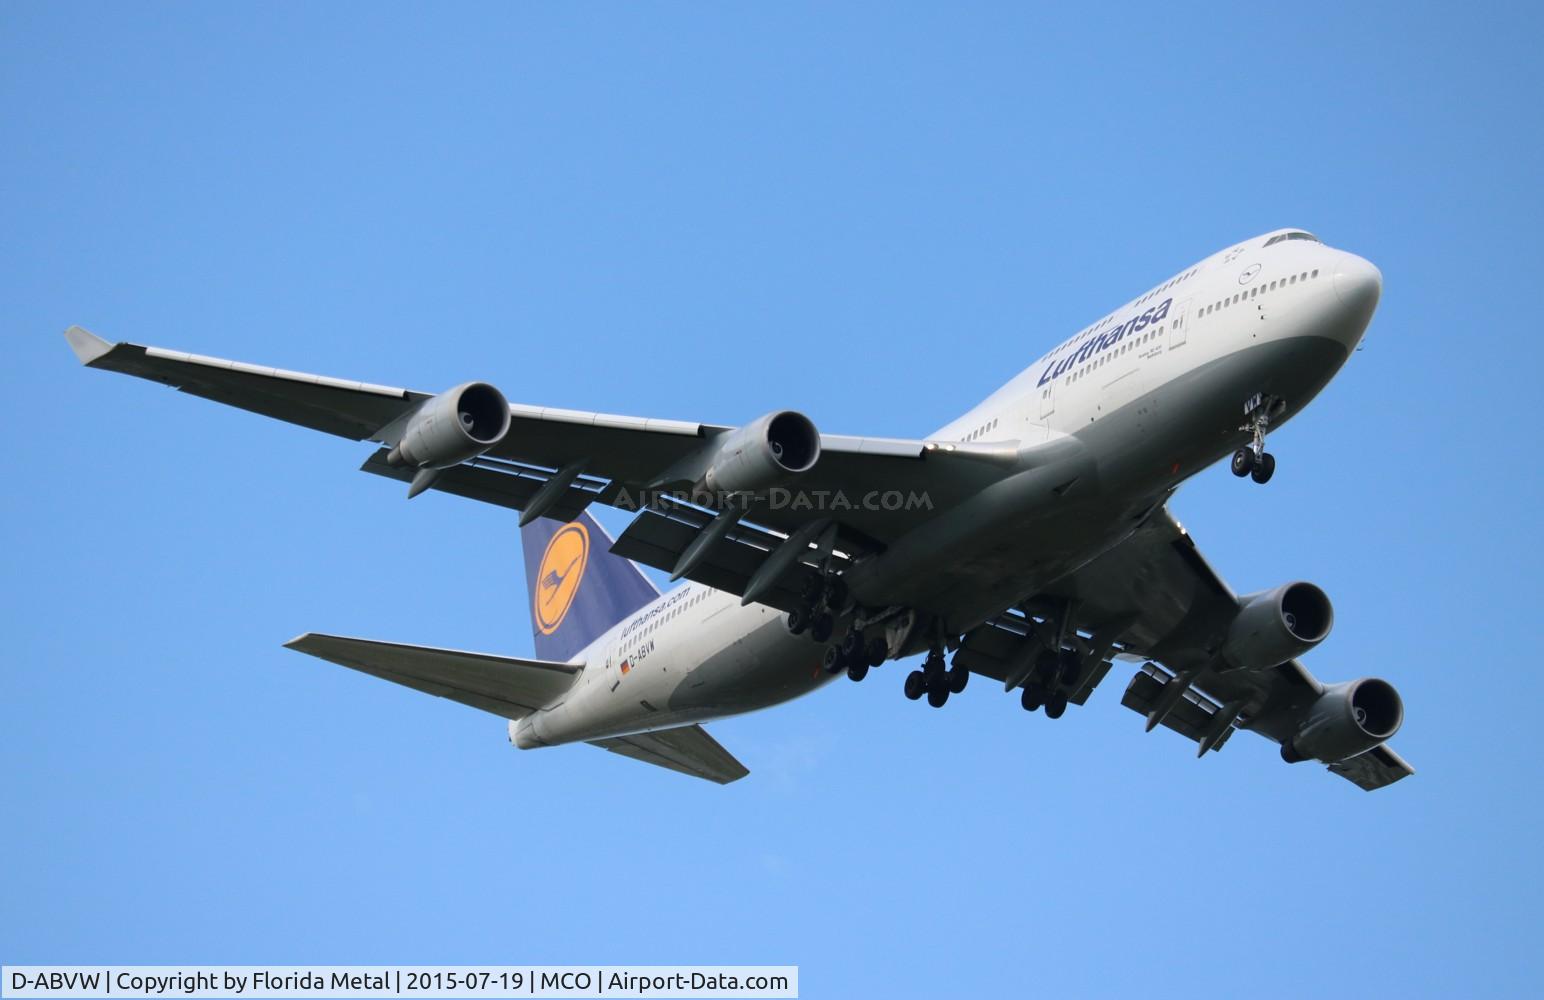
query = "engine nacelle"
{"x": 763, "y": 453}
{"x": 456, "y": 425}
{"x": 1348, "y": 719}
{"x": 1274, "y": 626}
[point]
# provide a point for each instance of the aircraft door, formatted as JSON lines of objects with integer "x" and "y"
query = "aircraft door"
{"x": 1048, "y": 399}
{"x": 1177, "y": 324}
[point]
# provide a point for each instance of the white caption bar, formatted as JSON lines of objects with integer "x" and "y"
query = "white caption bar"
{"x": 386, "y": 982}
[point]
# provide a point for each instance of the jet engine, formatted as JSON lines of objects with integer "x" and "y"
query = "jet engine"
{"x": 456, "y": 425}
{"x": 763, "y": 453}
{"x": 1348, "y": 719}
{"x": 1276, "y": 625}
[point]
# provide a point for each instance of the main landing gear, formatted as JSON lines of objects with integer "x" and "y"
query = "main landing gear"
{"x": 1055, "y": 670}
{"x": 1253, "y": 460}
{"x": 855, "y": 655}
{"x": 935, "y": 681}
{"x": 823, "y": 599}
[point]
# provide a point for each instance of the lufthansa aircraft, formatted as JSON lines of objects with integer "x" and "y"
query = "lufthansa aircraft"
{"x": 1029, "y": 538}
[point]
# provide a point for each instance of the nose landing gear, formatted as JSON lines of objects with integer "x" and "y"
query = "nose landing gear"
{"x": 1253, "y": 460}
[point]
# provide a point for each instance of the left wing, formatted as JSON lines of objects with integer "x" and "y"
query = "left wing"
{"x": 587, "y": 457}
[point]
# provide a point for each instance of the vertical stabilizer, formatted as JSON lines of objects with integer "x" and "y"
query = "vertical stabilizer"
{"x": 577, "y": 588}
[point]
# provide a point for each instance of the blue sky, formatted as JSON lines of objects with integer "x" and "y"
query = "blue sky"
{"x": 872, "y": 213}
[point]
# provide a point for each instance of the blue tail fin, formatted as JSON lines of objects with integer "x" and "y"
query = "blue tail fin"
{"x": 578, "y": 588}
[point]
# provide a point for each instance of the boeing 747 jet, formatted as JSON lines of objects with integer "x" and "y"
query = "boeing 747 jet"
{"x": 1028, "y": 542}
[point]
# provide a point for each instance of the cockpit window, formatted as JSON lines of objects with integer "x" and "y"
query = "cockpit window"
{"x": 1310, "y": 237}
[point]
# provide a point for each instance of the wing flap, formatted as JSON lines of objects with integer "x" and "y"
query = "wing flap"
{"x": 658, "y": 539}
{"x": 1192, "y": 716}
{"x": 504, "y": 484}
{"x": 506, "y": 686}
{"x": 687, "y": 750}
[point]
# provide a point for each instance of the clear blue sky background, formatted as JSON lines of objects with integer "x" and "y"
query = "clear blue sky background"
{"x": 873, "y": 213}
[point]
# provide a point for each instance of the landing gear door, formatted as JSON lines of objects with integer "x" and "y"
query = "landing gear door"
{"x": 1177, "y": 323}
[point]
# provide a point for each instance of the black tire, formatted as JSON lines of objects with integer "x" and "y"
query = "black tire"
{"x": 1265, "y": 469}
{"x": 937, "y": 696}
{"x": 1055, "y": 705}
{"x": 958, "y": 676}
{"x": 852, "y": 646}
{"x": 876, "y": 652}
{"x": 857, "y": 670}
{"x": 799, "y": 620}
{"x": 832, "y": 661}
{"x": 1243, "y": 462}
{"x": 1030, "y": 699}
{"x": 933, "y": 668}
{"x": 916, "y": 685}
{"x": 820, "y": 628}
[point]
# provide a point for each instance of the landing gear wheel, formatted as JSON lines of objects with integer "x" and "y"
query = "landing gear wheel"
{"x": 1264, "y": 469}
{"x": 876, "y": 652}
{"x": 1055, "y": 705}
{"x": 1030, "y": 699}
{"x": 958, "y": 676}
{"x": 832, "y": 661}
{"x": 852, "y": 646}
{"x": 799, "y": 620}
{"x": 811, "y": 590}
{"x": 916, "y": 685}
{"x": 820, "y": 628}
{"x": 936, "y": 696}
{"x": 1243, "y": 462}
{"x": 857, "y": 670}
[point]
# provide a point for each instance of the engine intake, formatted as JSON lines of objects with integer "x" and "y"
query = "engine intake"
{"x": 1274, "y": 626}
{"x": 763, "y": 453}
{"x": 456, "y": 425}
{"x": 1346, "y": 720}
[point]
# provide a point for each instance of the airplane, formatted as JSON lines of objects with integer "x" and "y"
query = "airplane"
{"x": 1030, "y": 538}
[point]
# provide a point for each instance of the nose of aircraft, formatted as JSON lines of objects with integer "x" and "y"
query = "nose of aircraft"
{"x": 1358, "y": 283}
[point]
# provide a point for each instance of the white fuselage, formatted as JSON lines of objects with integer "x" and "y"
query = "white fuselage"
{"x": 1155, "y": 390}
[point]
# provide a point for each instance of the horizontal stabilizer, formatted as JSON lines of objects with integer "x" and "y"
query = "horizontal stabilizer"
{"x": 504, "y": 685}
{"x": 688, "y": 749}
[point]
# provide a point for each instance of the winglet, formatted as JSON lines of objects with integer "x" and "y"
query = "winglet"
{"x": 86, "y": 345}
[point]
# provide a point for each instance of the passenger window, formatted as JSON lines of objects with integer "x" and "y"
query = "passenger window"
{"x": 1316, "y": 272}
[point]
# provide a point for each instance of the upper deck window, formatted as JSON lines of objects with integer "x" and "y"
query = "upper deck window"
{"x": 1310, "y": 237}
